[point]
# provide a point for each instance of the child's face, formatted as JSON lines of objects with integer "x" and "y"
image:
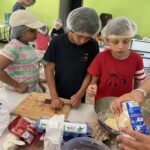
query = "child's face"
{"x": 57, "y": 26}
{"x": 79, "y": 39}
{"x": 29, "y": 35}
{"x": 119, "y": 45}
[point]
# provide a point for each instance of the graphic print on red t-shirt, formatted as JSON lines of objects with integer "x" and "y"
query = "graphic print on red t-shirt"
{"x": 114, "y": 82}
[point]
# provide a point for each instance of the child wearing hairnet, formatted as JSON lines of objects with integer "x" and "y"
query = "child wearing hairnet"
{"x": 118, "y": 69}
{"x": 19, "y": 67}
{"x": 58, "y": 28}
{"x": 69, "y": 55}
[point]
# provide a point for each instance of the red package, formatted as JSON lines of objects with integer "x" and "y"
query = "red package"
{"x": 18, "y": 125}
{"x": 23, "y": 129}
{"x": 30, "y": 135}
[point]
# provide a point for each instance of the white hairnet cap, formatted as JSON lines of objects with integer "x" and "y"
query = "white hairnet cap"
{"x": 84, "y": 21}
{"x": 120, "y": 26}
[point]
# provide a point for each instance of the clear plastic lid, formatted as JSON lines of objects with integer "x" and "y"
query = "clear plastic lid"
{"x": 84, "y": 143}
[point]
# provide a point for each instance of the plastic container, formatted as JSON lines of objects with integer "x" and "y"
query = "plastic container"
{"x": 84, "y": 143}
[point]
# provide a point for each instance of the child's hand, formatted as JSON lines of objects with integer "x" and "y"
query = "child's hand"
{"x": 92, "y": 89}
{"x": 21, "y": 88}
{"x": 56, "y": 103}
{"x": 75, "y": 100}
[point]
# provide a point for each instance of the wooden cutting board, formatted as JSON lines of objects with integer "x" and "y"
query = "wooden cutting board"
{"x": 37, "y": 105}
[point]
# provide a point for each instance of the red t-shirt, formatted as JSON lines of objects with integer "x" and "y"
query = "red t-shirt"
{"x": 116, "y": 77}
{"x": 42, "y": 41}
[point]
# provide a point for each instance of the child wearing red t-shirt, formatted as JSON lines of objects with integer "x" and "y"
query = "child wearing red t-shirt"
{"x": 117, "y": 70}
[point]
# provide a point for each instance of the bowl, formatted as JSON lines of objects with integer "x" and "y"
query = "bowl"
{"x": 103, "y": 113}
{"x": 84, "y": 143}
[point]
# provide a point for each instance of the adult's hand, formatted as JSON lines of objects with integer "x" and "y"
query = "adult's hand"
{"x": 139, "y": 141}
{"x": 116, "y": 106}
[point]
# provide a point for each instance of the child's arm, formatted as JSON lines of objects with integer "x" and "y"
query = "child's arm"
{"x": 4, "y": 77}
{"x": 76, "y": 98}
{"x": 94, "y": 80}
{"x": 92, "y": 88}
{"x": 49, "y": 73}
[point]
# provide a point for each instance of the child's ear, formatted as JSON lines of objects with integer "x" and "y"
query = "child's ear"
{"x": 106, "y": 40}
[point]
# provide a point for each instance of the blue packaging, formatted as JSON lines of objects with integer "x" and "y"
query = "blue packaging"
{"x": 72, "y": 130}
{"x": 136, "y": 119}
{"x": 41, "y": 124}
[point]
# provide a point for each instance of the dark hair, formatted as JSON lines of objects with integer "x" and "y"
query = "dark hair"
{"x": 32, "y": 2}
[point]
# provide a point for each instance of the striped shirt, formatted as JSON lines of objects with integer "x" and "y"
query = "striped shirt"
{"x": 24, "y": 68}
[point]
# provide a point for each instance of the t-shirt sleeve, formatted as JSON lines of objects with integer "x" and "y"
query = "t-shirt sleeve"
{"x": 95, "y": 67}
{"x": 50, "y": 55}
{"x": 94, "y": 52}
{"x": 139, "y": 74}
{"x": 10, "y": 51}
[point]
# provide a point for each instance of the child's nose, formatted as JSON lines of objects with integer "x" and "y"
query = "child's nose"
{"x": 120, "y": 46}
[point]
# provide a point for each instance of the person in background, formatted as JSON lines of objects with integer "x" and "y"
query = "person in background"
{"x": 139, "y": 141}
{"x": 32, "y": 2}
{"x": 42, "y": 41}
{"x": 118, "y": 69}
{"x": 58, "y": 28}
{"x": 69, "y": 55}
{"x": 22, "y": 4}
{"x": 19, "y": 67}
